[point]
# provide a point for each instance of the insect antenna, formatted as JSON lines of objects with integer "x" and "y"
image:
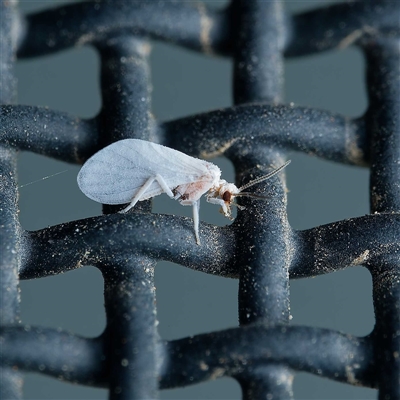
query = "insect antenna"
{"x": 262, "y": 178}
{"x": 42, "y": 179}
{"x": 255, "y": 196}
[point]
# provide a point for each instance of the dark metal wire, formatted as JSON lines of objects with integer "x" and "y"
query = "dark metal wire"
{"x": 265, "y": 351}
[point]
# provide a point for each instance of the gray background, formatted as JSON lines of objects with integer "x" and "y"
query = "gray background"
{"x": 185, "y": 83}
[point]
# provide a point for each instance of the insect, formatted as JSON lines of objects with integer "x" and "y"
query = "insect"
{"x": 133, "y": 170}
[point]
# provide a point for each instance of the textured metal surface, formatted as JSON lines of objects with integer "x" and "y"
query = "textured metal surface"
{"x": 260, "y": 248}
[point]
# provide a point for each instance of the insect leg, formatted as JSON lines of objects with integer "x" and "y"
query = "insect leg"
{"x": 164, "y": 186}
{"x": 196, "y": 208}
{"x": 143, "y": 189}
{"x": 220, "y": 202}
{"x": 139, "y": 194}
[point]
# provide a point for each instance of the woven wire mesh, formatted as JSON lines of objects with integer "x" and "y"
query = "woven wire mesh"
{"x": 260, "y": 248}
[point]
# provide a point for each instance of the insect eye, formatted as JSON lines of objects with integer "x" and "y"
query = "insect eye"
{"x": 227, "y": 196}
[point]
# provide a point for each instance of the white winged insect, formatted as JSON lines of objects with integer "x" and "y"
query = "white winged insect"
{"x": 133, "y": 170}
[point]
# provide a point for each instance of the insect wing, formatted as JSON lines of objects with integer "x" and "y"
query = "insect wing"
{"x": 117, "y": 172}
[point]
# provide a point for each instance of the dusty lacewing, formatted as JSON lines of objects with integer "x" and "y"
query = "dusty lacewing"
{"x": 133, "y": 170}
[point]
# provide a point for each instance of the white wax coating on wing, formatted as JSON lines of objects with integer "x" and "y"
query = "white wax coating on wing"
{"x": 115, "y": 174}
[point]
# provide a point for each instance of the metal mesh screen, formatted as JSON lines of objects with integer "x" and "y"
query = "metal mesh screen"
{"x": 260, "y": 248}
